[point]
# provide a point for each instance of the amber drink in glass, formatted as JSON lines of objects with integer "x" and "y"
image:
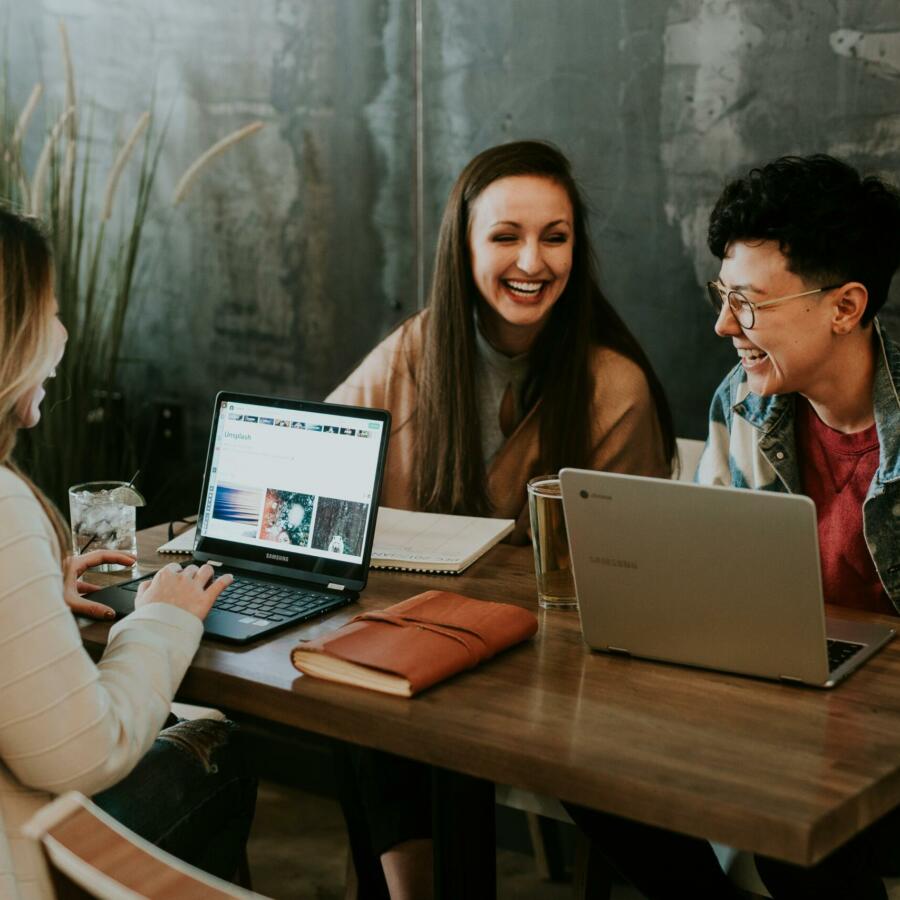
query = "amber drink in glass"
{"x": 552, "y": 565}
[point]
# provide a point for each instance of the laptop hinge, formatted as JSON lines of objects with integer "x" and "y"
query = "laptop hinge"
{"x": 791, "y": 679}
{"x": 335, "y": 587}
{"x": 620, "y": 650}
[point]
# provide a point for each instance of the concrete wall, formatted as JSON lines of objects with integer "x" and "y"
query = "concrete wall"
{"x": 656, "y": 102}
{"x": 302, "y": 247}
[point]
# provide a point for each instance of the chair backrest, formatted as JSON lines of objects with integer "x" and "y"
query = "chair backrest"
{"x": 90, "y": 855}
{"x": 689, "y": 453}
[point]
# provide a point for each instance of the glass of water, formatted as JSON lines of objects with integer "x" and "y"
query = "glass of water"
{"x": 103, "y": 517}
{"x": 552, "y": 565}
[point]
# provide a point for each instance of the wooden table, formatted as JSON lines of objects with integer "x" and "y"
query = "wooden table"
{"x": 784, "y": 771}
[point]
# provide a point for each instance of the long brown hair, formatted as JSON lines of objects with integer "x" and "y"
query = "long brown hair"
{"x": 450, "y": 473}
{"x": 27, "y": 308}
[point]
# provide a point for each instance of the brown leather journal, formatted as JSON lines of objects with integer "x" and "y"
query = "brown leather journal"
{"x": 416, "y": 643}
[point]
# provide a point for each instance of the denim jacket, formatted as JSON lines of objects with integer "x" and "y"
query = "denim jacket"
{"x": 751, "y": 444}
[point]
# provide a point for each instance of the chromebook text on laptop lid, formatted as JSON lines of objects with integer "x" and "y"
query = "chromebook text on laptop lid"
{"x": 715, "y": 577}
{"x": 291, "y": 488}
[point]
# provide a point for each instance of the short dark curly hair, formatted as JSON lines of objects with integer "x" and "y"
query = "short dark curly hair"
{"x": 832, "y": 224}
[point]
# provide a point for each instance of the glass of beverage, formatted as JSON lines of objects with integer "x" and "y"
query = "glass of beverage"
{"x": 552, "y": 566}
{"x": 103, "y": 517}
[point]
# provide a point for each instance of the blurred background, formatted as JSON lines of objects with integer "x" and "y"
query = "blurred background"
{"x": 297, "y": 249}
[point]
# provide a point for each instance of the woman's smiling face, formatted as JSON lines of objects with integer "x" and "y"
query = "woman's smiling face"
{"x": 520, "y": 250}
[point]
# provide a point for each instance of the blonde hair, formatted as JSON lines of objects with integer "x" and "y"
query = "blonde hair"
{"x": 27, "y": 308}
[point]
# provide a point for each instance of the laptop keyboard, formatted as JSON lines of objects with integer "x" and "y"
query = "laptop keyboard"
{"x": 265, "y": 600}
{"x": 273, "y": 602}
{"x": 840, "y": 651}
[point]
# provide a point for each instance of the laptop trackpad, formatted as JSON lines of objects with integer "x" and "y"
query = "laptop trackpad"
{"x": 120, "y": 599}
{"x": 232, "y": 626}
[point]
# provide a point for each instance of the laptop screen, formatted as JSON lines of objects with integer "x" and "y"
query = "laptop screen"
{"x": 293, "y": 485}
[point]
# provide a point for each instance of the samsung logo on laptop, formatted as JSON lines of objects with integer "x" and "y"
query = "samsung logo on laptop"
{"x": 277, "y": 556}
{"x": 612, "y": 561}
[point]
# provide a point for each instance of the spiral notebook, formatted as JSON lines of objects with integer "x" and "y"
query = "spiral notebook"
{"x": 182, "y": 544}
{"x": 431, "y": 542}
{"x": 413, "y": 541}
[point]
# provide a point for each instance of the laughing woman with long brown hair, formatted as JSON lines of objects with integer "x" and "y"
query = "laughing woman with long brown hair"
{"x": 518, "y": 366}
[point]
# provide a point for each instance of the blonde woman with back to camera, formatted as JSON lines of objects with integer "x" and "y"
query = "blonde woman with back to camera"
{"x": 66, "y": 723}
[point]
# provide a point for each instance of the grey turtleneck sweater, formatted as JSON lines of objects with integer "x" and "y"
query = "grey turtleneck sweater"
{"x": 494, "y": 373}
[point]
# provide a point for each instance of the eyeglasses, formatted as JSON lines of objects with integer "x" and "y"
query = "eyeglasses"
{"x": 744, "y": 310}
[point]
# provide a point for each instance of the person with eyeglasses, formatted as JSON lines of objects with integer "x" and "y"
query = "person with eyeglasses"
{"x": 808, "y": 249}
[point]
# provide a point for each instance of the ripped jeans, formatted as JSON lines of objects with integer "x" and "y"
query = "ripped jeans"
{"x": 193, "y": 794}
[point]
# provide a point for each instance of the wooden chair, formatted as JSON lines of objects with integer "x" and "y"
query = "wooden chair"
{"x": 90, "y": 855}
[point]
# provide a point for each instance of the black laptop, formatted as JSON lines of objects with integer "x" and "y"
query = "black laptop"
{"x": 290, "y": 496}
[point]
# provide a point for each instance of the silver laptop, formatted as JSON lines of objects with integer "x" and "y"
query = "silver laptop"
{"x": 722, "y": 578}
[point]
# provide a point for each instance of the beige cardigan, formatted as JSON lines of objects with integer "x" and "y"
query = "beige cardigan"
{"x": 626, "y": 433}
{"x": 65, "y": 723}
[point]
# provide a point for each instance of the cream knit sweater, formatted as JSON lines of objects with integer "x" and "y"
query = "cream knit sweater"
{"x": 66, "y": 723}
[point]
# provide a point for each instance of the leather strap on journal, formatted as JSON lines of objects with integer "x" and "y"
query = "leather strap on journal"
{"x": 454, "y": 632}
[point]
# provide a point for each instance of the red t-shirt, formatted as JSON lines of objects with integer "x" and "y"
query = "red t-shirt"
{"x": 836, "y": 470}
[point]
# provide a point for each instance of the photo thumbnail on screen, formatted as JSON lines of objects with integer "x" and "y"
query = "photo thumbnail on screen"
{"x": 239, "y": 507}
{"x": 340, "y": 526}
{"x": 286, "y": 518}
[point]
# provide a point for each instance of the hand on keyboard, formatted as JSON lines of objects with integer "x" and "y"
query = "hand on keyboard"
{"x": 190, "y": 589}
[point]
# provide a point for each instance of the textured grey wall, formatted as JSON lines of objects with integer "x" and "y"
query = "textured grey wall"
{"x": 301, "y": 247}
{"x": 293, "y": 252}
{"x": 656, "y": 103}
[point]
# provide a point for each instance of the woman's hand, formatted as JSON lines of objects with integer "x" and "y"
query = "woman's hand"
{"x": 74, "y": 587}
{"x": 191, "y": 589}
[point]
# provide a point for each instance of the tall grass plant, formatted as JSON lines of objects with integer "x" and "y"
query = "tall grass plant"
{"x": 87, "y": 427}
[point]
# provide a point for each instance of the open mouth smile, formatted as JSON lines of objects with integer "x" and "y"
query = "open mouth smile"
{"x": 524, "y": 290}
{"x": 751, "y": 356}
